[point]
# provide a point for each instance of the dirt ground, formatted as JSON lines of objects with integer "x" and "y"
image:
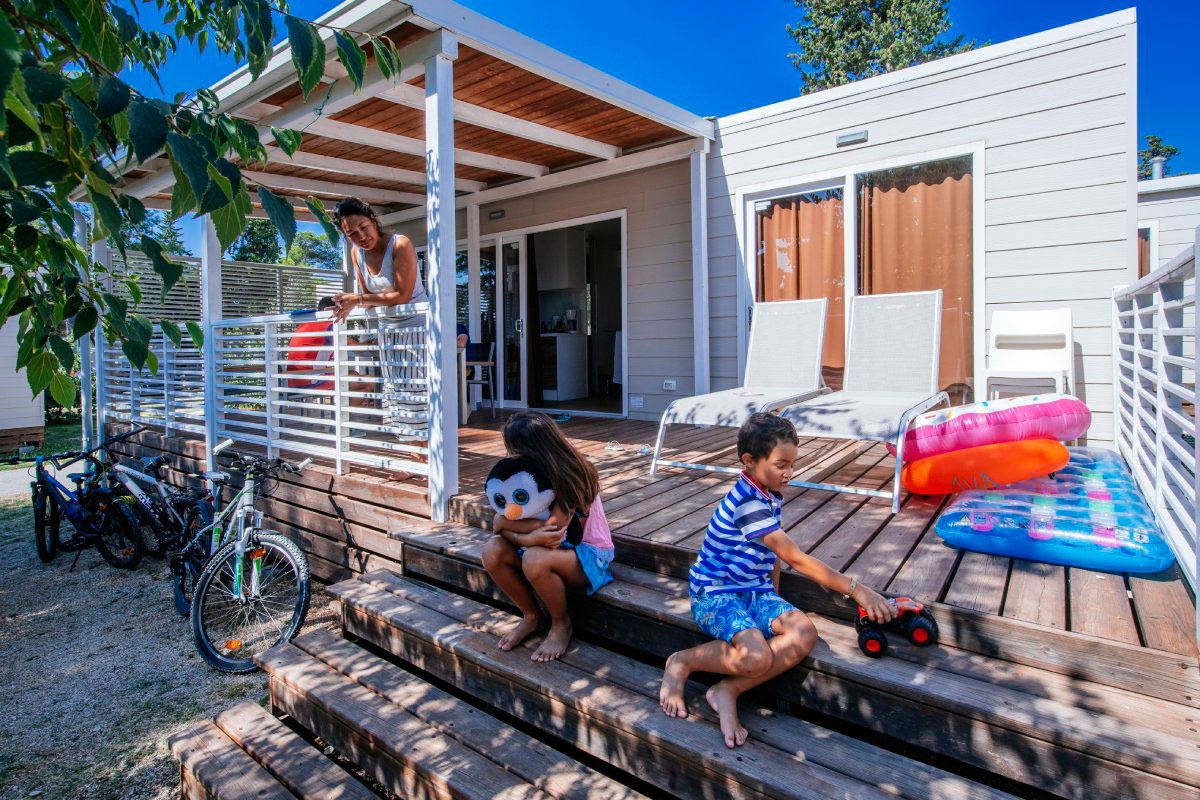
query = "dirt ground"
{"x": 96, "y": 671}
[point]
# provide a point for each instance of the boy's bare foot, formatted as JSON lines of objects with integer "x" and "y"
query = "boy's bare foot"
{"x": 526, "y": 626}
{"x": 670, "y": 694}
{"x": 724, "y": 702}
{"x": 555, "y": 643}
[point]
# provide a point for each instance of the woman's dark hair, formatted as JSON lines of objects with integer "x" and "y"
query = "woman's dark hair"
{"x": 353, "y": 207}
{"x": 325, "y": 303}
{"x": 759, "y": 435}
{"x": 575, "y": 481}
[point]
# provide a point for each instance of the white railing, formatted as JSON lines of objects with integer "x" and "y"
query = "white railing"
{"x": 1154, "y": 388}
{"x": 172, "y": 397}
{"x": 249, "y": 289}
{"x": 355, "y": 394}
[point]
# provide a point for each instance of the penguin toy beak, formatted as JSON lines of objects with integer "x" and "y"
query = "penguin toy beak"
{"x": 513, "y": 512}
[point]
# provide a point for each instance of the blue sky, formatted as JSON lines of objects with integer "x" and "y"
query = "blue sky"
{"x": 720, "y": 58}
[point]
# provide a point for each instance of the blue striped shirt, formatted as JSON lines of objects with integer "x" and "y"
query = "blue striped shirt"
{"x": 733, "y": 557}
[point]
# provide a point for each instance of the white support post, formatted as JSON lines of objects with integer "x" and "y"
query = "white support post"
{"x": 473, "y": 305}
{"x": 100, "y": 256}
{"x": 165, "y": 368}
{"x": 210, "y": 283}
{"x": 700, "y": 340}
{"x": 270, "y": 355}
{"x": 338, "y": 429}
{"x": 442, "y": 379}
{"x": 85, "y": 351}
{"x": 1196, "y": 446}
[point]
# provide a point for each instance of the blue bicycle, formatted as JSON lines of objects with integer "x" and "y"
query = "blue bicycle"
{"x": 98, "y": 514}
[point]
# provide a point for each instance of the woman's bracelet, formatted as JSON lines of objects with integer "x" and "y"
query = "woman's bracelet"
{"x": 849, "y": 595}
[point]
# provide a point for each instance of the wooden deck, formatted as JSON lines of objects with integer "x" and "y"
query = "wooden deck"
{"x": 662, "y": 519}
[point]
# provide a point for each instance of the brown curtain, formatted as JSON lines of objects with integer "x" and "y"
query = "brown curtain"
{"x": 1144, "y": 267}
{"x": 914, "y": 234}
{"x": 801, "y": 257}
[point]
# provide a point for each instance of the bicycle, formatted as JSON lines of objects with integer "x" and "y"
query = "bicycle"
{"x": 97, "y": 514}
{"x": 254, "y": 591}
{"x": 163, "y": 513}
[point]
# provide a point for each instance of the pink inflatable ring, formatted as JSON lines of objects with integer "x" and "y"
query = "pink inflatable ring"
{"x": 1016, "y": 419}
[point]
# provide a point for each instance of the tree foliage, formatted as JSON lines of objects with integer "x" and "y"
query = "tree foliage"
{"x": 841, "y": 41}
{"x": 1155, "y": 147}
{"x": 160, "y": 226}
{"x": 259, "y": 242}
{"x": 71, "y": 125}
{"x": 310, "y": 250}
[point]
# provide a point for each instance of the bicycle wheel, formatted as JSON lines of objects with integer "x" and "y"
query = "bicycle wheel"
{"x": 187, "y": 565}
{"x": 153, "y": 542}
{"x": 116, "y": 528}
{"x": 230, "y": 630}
{"x": 45, "y": 524}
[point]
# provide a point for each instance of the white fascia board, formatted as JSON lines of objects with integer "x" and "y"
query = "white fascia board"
{"x": 361, "y": 169}
{"x": 359, "y": 134}
{"x": 256, "y": 210}
{"x": 627, "y": 163}
{"x": 414, "y": 97}
{"x": 1040, "y": 39}
{"x": 1173, "y": 183}
{"x": 491, "y": 37}
{"x": 333, "y": 188}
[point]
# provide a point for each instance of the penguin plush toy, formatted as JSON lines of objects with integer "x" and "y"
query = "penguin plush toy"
{"x": 520, "y": 488}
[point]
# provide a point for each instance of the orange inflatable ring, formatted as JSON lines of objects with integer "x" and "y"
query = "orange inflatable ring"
{"x": 985, "y": 467}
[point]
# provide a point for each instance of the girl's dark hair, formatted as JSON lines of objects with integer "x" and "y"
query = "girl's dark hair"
{"x": 353, "y": 207}
{"x": 575, "y": 481}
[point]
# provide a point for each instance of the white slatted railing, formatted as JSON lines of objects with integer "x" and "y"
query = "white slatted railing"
{"x": 172, "y": 397}
{"x": 357, "y": 394}
{"x": 1154, "y": 387}
{"x": 249, "y": 289}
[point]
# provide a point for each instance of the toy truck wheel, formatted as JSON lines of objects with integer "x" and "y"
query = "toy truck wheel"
{"x": 922, "y": 632}
{"x": 872, "y": 643}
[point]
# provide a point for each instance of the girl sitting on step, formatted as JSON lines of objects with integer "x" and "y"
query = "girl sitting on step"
{"x": 531, "y": 559}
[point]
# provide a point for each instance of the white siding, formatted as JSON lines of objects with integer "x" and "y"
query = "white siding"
{"x": 1056, "y": 115}
{"x": 657, "y": 204}
{"x": 19, "y": 409}
{"x": 1178, "y": 216}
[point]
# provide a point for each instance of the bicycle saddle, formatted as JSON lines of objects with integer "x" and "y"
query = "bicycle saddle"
{"x": 79, "y": 477}
{"x": 153, "y": 463}
{"x": 215, "y": 477}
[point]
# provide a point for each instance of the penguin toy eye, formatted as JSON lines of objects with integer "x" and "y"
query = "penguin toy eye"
{"x": 521, "y": 497}
{"x": 499, "y": 500}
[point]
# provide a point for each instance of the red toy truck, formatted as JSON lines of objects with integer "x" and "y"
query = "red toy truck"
{"x": 913, "y": 621}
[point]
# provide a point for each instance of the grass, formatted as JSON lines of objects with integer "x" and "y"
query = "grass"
{"x": 57, "y": 439}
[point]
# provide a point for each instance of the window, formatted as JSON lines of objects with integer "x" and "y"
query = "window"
{"x": 1147, "y": 257}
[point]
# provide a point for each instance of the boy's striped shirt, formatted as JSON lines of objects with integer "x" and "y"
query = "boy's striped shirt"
{"x": 733, "y": 557}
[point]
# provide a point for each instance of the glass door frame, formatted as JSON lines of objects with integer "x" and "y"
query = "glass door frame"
{"x": 500, "y": 240}
{"x": 746, "y": 198}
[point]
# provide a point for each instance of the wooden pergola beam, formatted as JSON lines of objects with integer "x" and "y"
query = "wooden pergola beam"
{"x": 412, "y": 97}
{"x": 362, "y": 169}
{"x": 333, "y": 188}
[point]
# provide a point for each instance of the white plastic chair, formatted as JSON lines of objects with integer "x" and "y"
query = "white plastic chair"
{"x": 892, "y": 356}
{"x": 1027, "y": 349}
{"x": 783, "y": 366}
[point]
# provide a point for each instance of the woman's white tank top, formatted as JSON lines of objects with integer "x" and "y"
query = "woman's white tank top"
{"x": 385, "y": 280}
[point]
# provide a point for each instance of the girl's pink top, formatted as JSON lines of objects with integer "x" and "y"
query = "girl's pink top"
{"x": 595, "y": 528}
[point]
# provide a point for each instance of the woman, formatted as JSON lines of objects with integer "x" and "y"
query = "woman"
{"x": 385, "y": 267}
{"x": 385, "y": 272}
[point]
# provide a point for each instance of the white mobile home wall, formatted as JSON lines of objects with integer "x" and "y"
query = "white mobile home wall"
{"x": 20, "y": 410}
{"x": 657, "y": 205}
{"x": 1053, "y": 116}
{"x": 1173, "y": 204}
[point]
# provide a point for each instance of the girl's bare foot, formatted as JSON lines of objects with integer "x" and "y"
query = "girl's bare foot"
{"x": 555, "y": 643}
{"x": 670, "y": 694}
{"x": 724, "y": 702}
{"x": 526, "y": 626}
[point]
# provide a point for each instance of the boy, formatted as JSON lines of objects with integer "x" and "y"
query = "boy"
{"x": 734, "y": 584}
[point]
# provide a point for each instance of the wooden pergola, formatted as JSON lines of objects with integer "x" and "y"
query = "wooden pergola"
{"x": 479, "y": 113}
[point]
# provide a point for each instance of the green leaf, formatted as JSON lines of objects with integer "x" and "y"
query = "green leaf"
{"x": 182, "y": 198}
{"x": 85, "y": 120}
{"x": 308, "y": 53}
{"x": 20, "y": 305}
{"x": 24, "y": 352}
{"x": 10, "y": 54}
{"x": 117, "y": 305}
{"x": 109, "y": 215}
{"x": 135, "y": 291}
{"x": 66, "y": 18}
{"x": 171, "y": 331}
{"x": 230, "y": 221}
{"x": 221, "y": 182}
{"x": 385, "y": 57}
{"x": 23, "y": 212}
{"x": 190, "y": 157}
{"x": 85, "y": 321}
{"x": 287, "y": 139}
{"x": 140, "y": 328}
{"x": 127, "y": 27}
{"x": 25, "y": 237}
{"x": 14, "y": 103}
{"x": 318, "y": 209}
{"x": 133, "y": 208}
{"x": 136, "y": 352}
{"x": 196, "y": 333}
{"x": 113, "y": 97}
{"x": 72, "y": 306}
{"x": 152, "y": 362}
{"x": 39, "y": 371}
{"x": 42, "y": 86}
{"x": 64, "y": 352}
{"x": 63, "y": 389}
{"x": 147, "y": 130}
{"x": 352, "y": 57}
{"x": 281, "y": 214}
{"x": 169, "y": 271}
{"x": 35, "y": 168}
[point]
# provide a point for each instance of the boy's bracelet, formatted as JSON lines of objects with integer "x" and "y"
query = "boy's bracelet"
{"x": 849, "y": 595}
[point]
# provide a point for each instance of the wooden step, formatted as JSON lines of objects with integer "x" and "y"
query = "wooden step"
{"x": 247, "y": 753}
{"x": 1062, "y": 734}
{"x": 606, "y": 704}
{"x": 413, "y": 738}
